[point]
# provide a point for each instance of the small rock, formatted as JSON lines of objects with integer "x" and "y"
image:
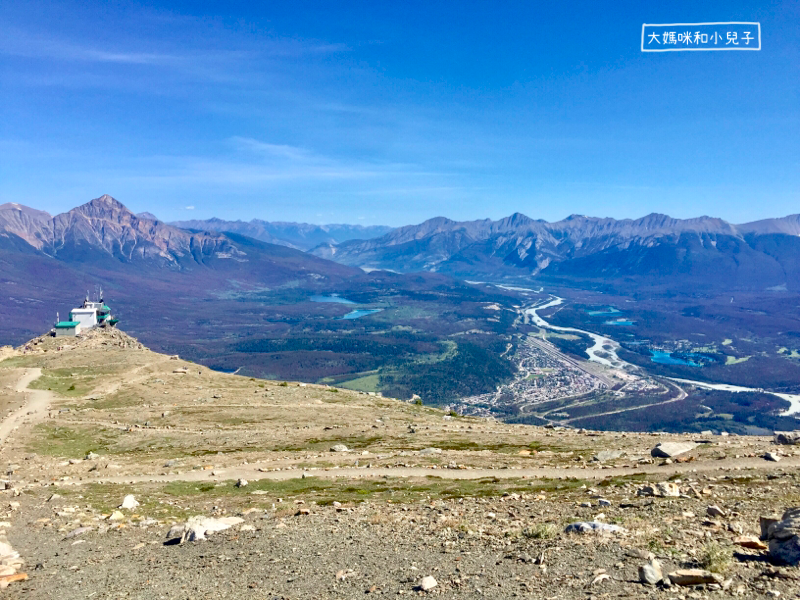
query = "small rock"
{"x": 693, "y": 577}
{"x": 715, "y": 511}
{"x": 426, "y": 584}
{"x": 116, "y": 516}
{"x": 650, "y": 573}
{"x": 429, "y": 451}
{"x": 772, "y": 456}
{"x": 77, "y": 532}
{"x": 91, "y": 456}
{"x": 240, "y": 483}
{"x": 664, "y": 489}
{"x": 749, "y": 541}
{"x": 129, "y": 502}
{"x": 340, "y": 448}
{"x": 197, "y": 527}
{"x": 593, "y": 527}
{"x": 605, "y": 455}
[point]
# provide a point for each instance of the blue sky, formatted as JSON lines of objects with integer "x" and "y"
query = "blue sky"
{"x": 394, "y": 112}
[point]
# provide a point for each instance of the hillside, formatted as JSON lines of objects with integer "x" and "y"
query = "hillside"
{"x": 327, "y": 491}
{"x": 653, "y": 250}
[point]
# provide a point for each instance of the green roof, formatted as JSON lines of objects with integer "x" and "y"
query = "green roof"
{"x": 67, "y": 324}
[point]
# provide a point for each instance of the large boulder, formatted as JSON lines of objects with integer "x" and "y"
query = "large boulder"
{"x": 784, "y": 538}
{"x": 672, "y": 449}
{"x": 787, "y": 437}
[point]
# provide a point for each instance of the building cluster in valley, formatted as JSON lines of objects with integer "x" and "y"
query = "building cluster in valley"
{"x": 89, "y": 315}
{"x": 544, "y": 374}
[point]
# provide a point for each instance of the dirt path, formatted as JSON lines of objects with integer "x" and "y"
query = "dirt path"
{"x": 251, "y": 472}
{"x": 35, "y": 406}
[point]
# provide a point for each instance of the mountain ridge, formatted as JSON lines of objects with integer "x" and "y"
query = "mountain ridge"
{"x": 655, "y": 245}
{"x": 302, "y": 236}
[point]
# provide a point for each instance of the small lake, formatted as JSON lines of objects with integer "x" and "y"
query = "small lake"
{"x": 361, "y": 312}
{"x": 666, "y": 358}
{"x": 622, "y": 322}
{"x": 609, "y": 310}
{"x": 331, "y": 298}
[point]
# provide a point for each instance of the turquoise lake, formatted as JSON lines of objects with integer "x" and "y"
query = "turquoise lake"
{"x": 666, "y": 358}
{"x": 333, "y": 298}
{"x": 361, "y": 312}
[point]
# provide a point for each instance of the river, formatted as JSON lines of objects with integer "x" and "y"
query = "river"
{"x": 610, "y": 349}
{"x": 615, "y": 361}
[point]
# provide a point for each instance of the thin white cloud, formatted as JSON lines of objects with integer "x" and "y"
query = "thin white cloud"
{"x": 189, "y": 207}
{"x": 293, "y": 153}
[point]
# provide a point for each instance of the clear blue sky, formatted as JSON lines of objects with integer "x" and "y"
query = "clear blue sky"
{"x": 394, "y": 112}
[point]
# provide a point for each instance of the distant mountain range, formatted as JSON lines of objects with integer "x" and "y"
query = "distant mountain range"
{"x": 302, "y": 236}
{"x": 48, "y": 262}
{"x": 655, "y": 249}
{"x": 106, "y": 234}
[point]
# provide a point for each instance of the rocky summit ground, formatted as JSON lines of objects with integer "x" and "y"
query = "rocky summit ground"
{"x": 132, "y": 474}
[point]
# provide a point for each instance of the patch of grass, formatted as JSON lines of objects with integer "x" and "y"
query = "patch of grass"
{"x": 367, "y": 383}
{"x": 540, "y": 531}
{"x": 396, "y": 490}
{"x": 732, "y": 360}
{"x": 353, "y": 443}
{"x": 117, "y": 400}
{"x": 716, "y": 558}
{"x": 16, "y": 362}
{"x": 461, "y": 443}
{"x": 54, "y": 440}
{"x": 64, "y": 383}
{"x": 621, "y": 480}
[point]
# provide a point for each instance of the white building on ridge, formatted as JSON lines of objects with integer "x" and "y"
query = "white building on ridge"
{"x": 87, "y": 316}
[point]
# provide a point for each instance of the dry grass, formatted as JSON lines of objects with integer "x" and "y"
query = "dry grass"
{"x": 540, "y": 531}
{"x": 716, "y": 558}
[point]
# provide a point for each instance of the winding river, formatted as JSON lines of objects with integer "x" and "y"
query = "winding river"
{"x": 608, "y": 348}
{"x": 604, "y": 345}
